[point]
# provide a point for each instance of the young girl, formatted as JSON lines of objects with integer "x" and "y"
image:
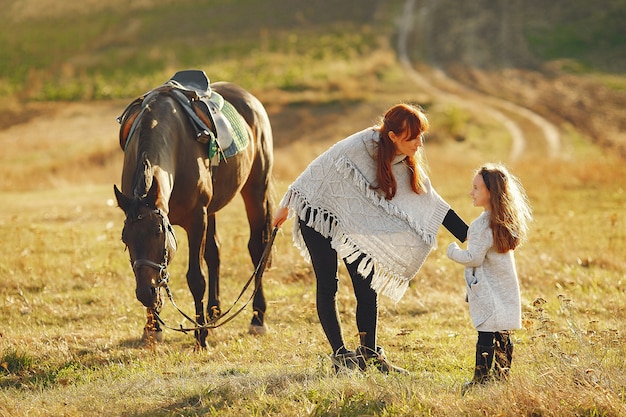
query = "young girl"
{"x": 491, "y": 278}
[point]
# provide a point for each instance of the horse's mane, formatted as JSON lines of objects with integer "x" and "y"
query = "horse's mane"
{"x": 143, "y": 177}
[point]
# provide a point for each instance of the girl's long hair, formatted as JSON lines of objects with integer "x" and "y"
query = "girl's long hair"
{"x": 510, "y": 210}
{"x": 399, "y": 119}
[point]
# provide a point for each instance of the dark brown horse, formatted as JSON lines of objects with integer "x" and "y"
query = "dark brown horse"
{"x": 168, "y": 178}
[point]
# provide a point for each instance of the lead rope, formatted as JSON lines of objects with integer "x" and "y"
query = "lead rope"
{"x": 256, "y": 276}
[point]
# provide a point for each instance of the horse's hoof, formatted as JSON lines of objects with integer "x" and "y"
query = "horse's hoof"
{"x": 257, "y": 330}
{"x": 150, "y": 336}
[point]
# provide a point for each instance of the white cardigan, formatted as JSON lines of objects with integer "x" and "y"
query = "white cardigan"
{"x": 491, "y": 279}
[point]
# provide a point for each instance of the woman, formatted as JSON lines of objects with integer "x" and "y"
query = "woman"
{"x": 368, "y": 200}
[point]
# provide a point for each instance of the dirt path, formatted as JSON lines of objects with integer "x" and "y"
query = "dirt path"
{"x": 458, "y": 94}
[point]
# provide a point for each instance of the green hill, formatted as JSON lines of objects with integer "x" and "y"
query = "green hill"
{"x": 89, "y": 50}
{"x": 110, "y": 51}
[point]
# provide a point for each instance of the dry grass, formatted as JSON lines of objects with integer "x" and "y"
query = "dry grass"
{"x": 70, "y": 325}
{"x": 69, "y": 341}
{"x": 41, "y": 9}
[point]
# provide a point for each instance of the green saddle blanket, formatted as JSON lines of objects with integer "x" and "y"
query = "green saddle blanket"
{"x": 237, "y": 131}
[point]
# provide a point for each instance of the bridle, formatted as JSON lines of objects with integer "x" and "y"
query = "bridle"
{"x": 170, "y": 238}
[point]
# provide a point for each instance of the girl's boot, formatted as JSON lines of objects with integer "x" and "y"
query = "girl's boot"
{"x": 484, "y": 360}
{"x": 503, "y": 356}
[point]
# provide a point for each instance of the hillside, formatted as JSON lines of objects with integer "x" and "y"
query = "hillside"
{"x": 110, "y": 52}
{"x": 531, "y": 54}
{"x": 311, "y": 68}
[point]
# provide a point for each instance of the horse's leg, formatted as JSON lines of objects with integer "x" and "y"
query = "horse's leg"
{"x": 212, "y": 258}
{"x": 152, "y": 332}
{"x": 258, "y": 208}
{"x": 195, "y": 278}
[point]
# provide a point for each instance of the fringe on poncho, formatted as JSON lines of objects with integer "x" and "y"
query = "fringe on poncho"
{"x": 395, "y": 236}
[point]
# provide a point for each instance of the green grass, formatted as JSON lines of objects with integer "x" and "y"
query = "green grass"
{"x": 117, "y": 52}
{"x": 90, "y": 51}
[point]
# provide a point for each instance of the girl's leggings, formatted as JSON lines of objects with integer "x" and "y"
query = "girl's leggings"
{"x": 501, "y": 338}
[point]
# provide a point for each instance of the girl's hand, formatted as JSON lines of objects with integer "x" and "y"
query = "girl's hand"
{"x": 451, "y": 248}
{"x": 280, "y": 216}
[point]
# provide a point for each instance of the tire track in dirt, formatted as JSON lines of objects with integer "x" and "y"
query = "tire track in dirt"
{"x": 468, "y": 99}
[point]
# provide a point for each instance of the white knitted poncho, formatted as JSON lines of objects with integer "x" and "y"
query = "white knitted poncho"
{"x": 395, "y": 235}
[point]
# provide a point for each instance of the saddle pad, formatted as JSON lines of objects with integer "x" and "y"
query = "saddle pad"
{"x": 239, "y": 134}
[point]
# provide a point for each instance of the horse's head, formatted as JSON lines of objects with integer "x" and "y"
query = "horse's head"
{"x": 150, "y": 240}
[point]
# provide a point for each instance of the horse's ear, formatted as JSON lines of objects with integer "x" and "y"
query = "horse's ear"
{"x": 154, "y": 197}
{"x": 122, "y": 200}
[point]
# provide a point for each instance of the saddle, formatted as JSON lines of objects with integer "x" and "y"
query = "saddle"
{"x": 209, "y": 112}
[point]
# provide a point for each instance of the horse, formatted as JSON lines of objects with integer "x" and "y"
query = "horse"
{"x": 169, "y": 179}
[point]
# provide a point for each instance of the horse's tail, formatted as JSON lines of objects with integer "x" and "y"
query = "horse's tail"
{"x": 269, "y": 210}
{"x": 269, "y": 205}
{"x": 265, "y": 138}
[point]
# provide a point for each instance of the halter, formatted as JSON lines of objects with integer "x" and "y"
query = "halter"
{"x": 170, "y": 237}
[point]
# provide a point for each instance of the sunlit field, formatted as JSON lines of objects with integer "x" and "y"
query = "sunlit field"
{"x": 71, "y": 327}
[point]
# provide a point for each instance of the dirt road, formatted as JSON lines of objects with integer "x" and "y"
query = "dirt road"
{"x": 438, "y": 84}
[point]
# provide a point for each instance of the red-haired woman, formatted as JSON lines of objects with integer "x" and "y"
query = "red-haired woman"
{"x": 368, "y": 200}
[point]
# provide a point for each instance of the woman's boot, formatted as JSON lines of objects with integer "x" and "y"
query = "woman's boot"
{"x": 377, "y": 358}
{"x": 484, "y": 360}
{"x": 344, "y": 360}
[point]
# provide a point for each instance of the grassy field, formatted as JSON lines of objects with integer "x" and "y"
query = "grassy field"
{"x": 70, "y": 325}
{"x": 69, "y": 342}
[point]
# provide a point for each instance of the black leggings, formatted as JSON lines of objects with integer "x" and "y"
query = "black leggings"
{"x": 502, "y": 338}
{"x": 324, "y": 261}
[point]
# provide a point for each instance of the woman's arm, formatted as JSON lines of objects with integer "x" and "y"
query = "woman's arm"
{"x": 455, "y": 225}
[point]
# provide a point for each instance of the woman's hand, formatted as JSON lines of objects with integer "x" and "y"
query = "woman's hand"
{"x": 280, "y": 216}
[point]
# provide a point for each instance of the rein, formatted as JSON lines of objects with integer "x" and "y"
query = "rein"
{"x": 215, "y": 323}
{"x": 164, "y": 279}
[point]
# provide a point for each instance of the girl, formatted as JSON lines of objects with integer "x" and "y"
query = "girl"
{"x": 368, "y": 201}
{"x": 491, "y": 278}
